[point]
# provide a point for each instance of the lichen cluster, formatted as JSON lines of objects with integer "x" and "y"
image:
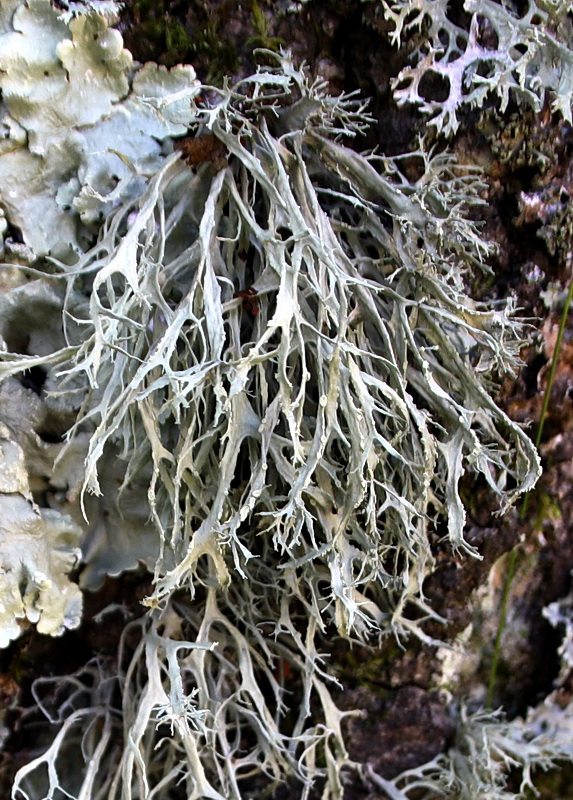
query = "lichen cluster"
{"x": 468, "y": 54}
{"x": 270, "y": 379}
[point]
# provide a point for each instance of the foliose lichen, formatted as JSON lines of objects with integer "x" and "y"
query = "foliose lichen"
{"x": 38, "y": 548}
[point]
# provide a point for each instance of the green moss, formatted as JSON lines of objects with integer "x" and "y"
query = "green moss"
{"x": 161, "y": 33}
{"x": 217, "y": 51}
{"x": 193, "y": 35}
{"x": 262, "y": 37}
{"x": 367, "y": 669}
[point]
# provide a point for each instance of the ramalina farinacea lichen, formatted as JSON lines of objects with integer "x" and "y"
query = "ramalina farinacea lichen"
{"x": 276, "y": 352}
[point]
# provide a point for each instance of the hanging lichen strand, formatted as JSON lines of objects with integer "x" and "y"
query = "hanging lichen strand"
{"x": 280, "y": 349}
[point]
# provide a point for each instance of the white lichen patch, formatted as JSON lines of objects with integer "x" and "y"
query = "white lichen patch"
{"x": 38, "y": 549}
{"x": 76, "y": 135}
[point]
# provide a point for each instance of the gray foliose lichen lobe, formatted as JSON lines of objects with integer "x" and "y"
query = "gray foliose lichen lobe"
{"x": 38, "y": 550}
{"x": 77, "y": 129}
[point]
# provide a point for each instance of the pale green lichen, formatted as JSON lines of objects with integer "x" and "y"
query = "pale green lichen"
{"x": 560, "y": 615}
{"x": 73, "y": 74}
{"x": 38, "y": 549}
{"x": 75, "y": 137}
{"x": 486, "y": 750}
{"x": 295, "y": 452}
{"x": 280, "y": 460}
{"x": 491, "y": 49}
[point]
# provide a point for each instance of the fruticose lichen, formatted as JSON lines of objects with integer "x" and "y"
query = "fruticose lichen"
{"x": 486, "y": 49}
{"x": 272, "y": 380}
